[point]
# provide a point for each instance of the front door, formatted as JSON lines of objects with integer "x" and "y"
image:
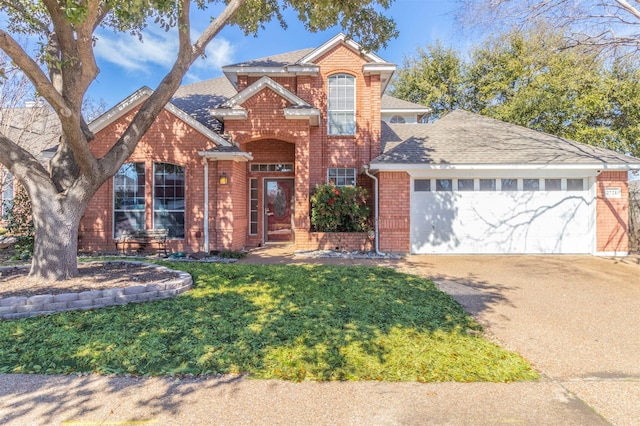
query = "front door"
{"x": 278, "y": 194}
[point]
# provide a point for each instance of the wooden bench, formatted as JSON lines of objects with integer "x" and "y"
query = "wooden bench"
{"x": 143, "y": 238}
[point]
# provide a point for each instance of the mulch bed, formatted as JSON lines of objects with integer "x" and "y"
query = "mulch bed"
{"x": 92, "y": 276}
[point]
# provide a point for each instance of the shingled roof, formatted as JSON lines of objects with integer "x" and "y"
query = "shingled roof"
{"x": 280, "y": 60}
{"x": 389, "y": 102}
{"x": 197, "y": 99}
{"x": 464, "y": 138}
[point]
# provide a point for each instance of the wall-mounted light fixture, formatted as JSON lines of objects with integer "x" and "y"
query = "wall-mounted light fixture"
{"x": 223, "y": 179}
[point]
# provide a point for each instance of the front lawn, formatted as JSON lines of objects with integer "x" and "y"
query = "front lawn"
{"x": 286, "y": 322}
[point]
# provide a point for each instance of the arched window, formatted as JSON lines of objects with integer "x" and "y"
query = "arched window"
{"x": 169, "y": 198}
{"x": 397, "y": 119}
{"x": 342, "y": 105}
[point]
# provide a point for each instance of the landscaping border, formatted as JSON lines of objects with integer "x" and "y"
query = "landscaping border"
{"x": 43, "y": 304}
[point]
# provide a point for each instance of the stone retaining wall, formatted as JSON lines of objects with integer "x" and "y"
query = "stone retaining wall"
{"x": 43, "y": 304}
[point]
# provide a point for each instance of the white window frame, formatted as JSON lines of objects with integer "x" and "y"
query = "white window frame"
{"x": 113, "y": 200}
{"x": 331, "y": 81}
{"x": 339, "y": 180}
{"x": 253, "y": 181}
{"x": 153, "y": 200}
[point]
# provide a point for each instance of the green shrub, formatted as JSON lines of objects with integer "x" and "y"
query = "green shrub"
{"x": 20, "y": 224}
{"x": 339, "y": 209}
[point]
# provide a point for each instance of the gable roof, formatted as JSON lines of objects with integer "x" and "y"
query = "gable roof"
{"x": 465, "y": 140}
{"x": 301, "y": 62}
{"x": 197, "y": 99}
{"x": 140, "y": 96}
{"x": 388, "y": 102}
{"x": 299, "y": 108}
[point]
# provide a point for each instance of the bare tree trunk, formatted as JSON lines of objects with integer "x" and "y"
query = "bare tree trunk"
{"x": 56, "y": 236}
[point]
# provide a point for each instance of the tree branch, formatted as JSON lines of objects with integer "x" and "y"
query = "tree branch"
{"x": 187, "y": 54}
{"x": 21, "y": 163}
{"x": 35, "y": 74}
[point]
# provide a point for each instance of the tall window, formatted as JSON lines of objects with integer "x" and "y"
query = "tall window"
{"x": 128, "y": 198}
{"x": 342, "y": 105}
{"x": 169, "y": 199}
{"x": 7, "y": 194}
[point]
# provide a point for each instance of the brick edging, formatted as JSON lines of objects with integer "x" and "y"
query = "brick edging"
{"x": 44, "y": 304}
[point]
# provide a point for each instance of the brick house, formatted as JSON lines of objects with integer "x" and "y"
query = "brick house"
{"x": 230, "y": 163}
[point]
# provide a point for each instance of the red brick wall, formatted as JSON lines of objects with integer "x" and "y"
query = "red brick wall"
{"x": 393, "y": 221}
{"x": 612, "y": 214}
{"x": 350, "y": 241}
{"x": 169, "y": 140}
{"x": 232, "y": 220}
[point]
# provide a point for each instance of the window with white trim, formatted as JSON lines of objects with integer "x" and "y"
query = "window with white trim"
{"x": 342, "y": 177}
{"x": 128, "y": 198}
{"x": 272, "y": 167}
{"x": 169, "y": 198}
{"x": 553, "y": 184}
{"x": 253, "y": 207}
{"x": 422, "y": 185}
{"x": 487, "y": 185}
{"x": 341, "y": 105}
{"x": 465, "y": 185}
{"x": 575, "y": 184}
{"x": 531, "y": 184}
{"x": 444, "y": 185}
{"x": 509, "y": 184}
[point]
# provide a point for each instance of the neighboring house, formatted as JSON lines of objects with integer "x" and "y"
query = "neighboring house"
{"x": 230, "y": 163}
{"x": 34, "y": 127}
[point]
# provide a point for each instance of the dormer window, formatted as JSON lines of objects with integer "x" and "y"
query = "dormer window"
{"x": 342, "y": 105}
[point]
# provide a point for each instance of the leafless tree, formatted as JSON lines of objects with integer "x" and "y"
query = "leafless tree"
{"x": 601, "y": 24}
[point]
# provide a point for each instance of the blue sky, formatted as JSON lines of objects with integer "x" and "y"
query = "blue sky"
{"x": 126, "y": 64}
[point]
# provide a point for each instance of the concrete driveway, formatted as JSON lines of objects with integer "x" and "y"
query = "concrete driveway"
{"x": 575, "y": 318}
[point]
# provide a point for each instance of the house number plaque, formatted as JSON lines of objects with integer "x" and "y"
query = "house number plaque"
{"x": 614, "y": 192}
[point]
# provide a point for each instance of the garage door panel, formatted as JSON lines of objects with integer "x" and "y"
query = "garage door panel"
{"x": 501, "y": 222}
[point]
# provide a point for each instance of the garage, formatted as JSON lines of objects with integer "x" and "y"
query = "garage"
{"x": 470, "y": 184}
{"x": 502, "y": 215}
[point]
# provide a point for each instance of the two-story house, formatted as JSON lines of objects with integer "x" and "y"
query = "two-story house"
{"x": 231, "y": 162}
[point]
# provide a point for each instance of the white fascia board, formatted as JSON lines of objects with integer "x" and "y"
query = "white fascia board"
{"x": 377, "y": 68}
{"x": 135, "y": 99}
{"x": 423, "y": 167}
{"x": 232, "y": 156}
{"x": 311, "y": 114}
{"x": 140, "y": 96}
{"x": 230, "y": 113}
{"x": 219, "y": 140}
{"x": 384, "y": 70}
{"x": 334, "y": 41}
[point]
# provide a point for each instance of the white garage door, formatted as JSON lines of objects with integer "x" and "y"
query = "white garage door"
{"x": 556, "y": 218}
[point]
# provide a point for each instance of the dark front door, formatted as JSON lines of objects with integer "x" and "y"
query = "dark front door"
{"x": 278, "y": 195}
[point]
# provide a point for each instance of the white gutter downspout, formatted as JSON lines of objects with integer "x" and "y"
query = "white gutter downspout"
{"x": 206, "y": 205}
{"x": 377, "y": 204}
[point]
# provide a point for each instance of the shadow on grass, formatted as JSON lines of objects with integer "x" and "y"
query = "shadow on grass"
{"x": 289, "y": 322}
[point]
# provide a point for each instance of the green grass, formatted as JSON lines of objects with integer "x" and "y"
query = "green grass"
{"x": 287, "y": 322}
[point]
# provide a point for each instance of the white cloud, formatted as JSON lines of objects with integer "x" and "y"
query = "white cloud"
{"x": 218, "y": 53}
{"x": 157, "y": 49}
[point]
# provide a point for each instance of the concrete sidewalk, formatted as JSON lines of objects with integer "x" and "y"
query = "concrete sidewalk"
{"x": 576, "y": 318}
{"x": 94, "y": 400}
